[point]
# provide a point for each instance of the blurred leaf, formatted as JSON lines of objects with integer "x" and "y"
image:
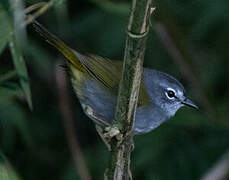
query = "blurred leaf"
{"x": 7, "y": 76}
{"x": 62, "y": 16}
{"x": 15, "y": 122}
{"x": 113, "y": 6}
{"x": 7, "y": 93}
{"x": 16, "y": 48}
{"x": 41, "y": 59}
{"x": 19, "y": 21}
{"x": 6, "y": 34}
{"x": 20, "y": 67}
{"x": 6, "y": 170}
{"x": 99, "y": 22}
{"x": 5, "y": 28}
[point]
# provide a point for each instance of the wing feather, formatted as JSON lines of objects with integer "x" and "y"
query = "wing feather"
{"x": 108, "y": 73}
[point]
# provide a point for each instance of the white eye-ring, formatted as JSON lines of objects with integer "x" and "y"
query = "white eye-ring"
{"x": 170, "y": 93}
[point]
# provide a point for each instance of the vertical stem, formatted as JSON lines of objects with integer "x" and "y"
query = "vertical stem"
{"x": 129, "y": 90}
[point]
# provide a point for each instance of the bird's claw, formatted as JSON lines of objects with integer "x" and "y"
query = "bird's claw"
{"x": 111, "y": 132}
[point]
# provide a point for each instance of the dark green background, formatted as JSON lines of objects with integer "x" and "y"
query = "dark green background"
{"x": 34, "y": 142}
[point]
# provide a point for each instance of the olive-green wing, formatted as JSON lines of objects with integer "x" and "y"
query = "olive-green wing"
{"x": 108, "y": 73}
{"x": 105, "y": 71}
{"x": 102, "y": 69}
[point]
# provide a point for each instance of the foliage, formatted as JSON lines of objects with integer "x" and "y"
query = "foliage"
{"x": 34, "y": 142}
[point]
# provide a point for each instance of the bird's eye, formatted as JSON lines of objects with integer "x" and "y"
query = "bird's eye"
{"x": 170, "y": 94}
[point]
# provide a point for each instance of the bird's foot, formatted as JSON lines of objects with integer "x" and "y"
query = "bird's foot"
{"x": 106, "y": 141}
{"x": 111, "y": 132}
{"x": 108, "y": 133}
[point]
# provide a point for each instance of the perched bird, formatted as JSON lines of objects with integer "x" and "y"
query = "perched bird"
{"x": 95, "y": 81}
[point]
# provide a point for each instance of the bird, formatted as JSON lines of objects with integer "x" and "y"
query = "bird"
{"x": 95, "y": 81}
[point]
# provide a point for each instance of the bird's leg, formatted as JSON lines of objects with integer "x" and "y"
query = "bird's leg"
{"x": 106, "y": 141}
{"x": 89, "y": 111}
{"x": 109, "y": 131}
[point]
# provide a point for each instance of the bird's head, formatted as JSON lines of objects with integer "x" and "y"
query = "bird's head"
{"x": 167, "y": 92}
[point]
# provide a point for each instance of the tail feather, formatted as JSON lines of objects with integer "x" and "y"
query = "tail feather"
{"x": 59, "y": 45}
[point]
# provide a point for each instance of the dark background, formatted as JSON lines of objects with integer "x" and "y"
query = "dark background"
{"x": 186, "y": 147}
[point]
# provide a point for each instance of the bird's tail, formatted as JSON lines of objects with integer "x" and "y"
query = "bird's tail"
{"x": 69, "y": 53}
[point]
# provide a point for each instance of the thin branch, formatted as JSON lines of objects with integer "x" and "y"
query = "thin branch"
{"x": 34, "y": 7}
{"x": 65, "y": 108}
{"x": 122, "y": 145}
{"x": 42, "y": 8}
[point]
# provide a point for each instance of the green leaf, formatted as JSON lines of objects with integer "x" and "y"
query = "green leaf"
{"x": 19, "y": 21}
{"x": 5, "y": 28}
{"x": 5, "y": 77}
{"x": 11, "y": 91}
{"x": 14, "y": 120}
{"x": 21, "y": 69}
{"x": 6, "y": 170}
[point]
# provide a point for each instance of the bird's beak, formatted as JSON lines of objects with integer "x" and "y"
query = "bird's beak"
{"x": 189, "y": 103}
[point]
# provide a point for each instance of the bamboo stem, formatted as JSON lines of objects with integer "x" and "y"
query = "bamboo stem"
{"x": 122, "y": 144}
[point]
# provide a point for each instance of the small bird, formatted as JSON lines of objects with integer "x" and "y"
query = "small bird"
{"x": 96, "y": 79}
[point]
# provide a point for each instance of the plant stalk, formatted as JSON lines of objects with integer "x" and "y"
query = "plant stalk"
{"x": 122, "y": 144}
